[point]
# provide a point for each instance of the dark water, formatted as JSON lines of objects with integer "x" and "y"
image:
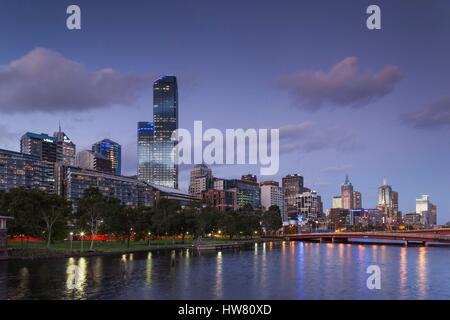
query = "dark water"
{"x": 287, "y": 270}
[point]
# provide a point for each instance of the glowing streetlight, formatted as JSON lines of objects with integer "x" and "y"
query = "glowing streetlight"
{"x": 82, "y": 236}
{"x": 71, "y": 240}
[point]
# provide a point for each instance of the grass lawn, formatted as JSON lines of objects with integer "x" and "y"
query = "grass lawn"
{"x": 39, "y": 248}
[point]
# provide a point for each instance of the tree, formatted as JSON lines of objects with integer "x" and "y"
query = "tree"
{"x": 24, "y": 206}
{"x": 271, "y": 219}
{"x": 91, "y": 210}
{"x": 55, "y": 210}
{"x": 163, "y": 220}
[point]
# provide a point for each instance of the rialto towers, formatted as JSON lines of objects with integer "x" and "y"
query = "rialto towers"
{"x": 156, "y": 158}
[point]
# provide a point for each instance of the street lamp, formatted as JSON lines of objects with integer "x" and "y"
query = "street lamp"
{"x": 71, "y": 240}
{"x": 82, "y": 236}
{"x": 149, "y": 234}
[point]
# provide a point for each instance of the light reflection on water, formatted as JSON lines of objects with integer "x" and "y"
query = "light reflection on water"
{"x": 275, "y": 270}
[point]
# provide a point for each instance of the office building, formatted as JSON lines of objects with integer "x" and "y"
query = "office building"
{"x": 292, "y": 186}
{"x": 66, "y": 148}
{"x": 49, "y": 148}
{"x": 272, "y": 195}
{"x": 201, "y": 179}
{"x": 427, "y": 210}
{"x": 310, "y": 205}
{"x": 221, "y": 199}
{"x": 165, "y": 120}
{"x": 337, "y": 202}
{"x": 347, "y": 194}
{"x": 357, "y": 200}
{"x": 388, "y": 203}
{"x": 112, "y": 151}
{"x": 87, "y": 159}
{"x": 145, "y": 134}
{"x": 247, "y": 192}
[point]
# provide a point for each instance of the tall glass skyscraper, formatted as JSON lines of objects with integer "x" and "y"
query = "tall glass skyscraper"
{"x": 112, "y": 151}
{"x": 165, "y": 119}
{"x": 145, "y": 133}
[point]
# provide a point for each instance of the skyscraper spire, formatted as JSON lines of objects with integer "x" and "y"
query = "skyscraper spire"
{"x": 346, "y": 179}
{"x": 384, "y": 181}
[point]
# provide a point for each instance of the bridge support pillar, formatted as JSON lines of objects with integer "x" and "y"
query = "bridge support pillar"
{"x": 406, "y": 243}
{"x": 333, "y": 240}
{"x": 425, "y": 244}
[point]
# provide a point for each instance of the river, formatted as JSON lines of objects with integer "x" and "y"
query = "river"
{"x": 287, "y": 270}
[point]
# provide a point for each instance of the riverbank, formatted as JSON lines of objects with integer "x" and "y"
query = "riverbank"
{"x": 38, "y": 250}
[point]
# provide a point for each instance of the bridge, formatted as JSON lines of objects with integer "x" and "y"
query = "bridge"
{"x": 423, "y": 237}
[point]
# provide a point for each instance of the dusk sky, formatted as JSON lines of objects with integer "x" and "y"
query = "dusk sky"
{"x": 372, "y": 104}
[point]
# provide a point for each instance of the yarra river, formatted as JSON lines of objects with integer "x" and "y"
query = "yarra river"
{"x": 273, "y": 270}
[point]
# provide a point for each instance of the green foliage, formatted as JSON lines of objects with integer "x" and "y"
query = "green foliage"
{"x": 35, "y": 213}
{"x": 45, "y": 215}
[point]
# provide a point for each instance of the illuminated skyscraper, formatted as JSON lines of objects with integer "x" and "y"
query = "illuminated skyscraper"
{"x": 112, "y": 151}
{"x": 145, "y": 133}
{"x": 165, "y": 119}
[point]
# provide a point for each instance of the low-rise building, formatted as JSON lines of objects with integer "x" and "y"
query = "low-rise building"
{"x": 72, "y": 181}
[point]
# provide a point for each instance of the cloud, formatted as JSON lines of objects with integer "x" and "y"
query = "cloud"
{"x": 341, "y": 168}
{"x": 343, "y": 86}
{"x": 44, "y": 80}
{"x": 306, "y": 137}
{"x": 6, "y": 137}
{"x": 435, "y": 115}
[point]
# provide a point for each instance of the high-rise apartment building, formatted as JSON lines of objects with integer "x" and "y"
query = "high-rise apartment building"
{"x": 25, "y": 170}
{"x": 112, "y": 151}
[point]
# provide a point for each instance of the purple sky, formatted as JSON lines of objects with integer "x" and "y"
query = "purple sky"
{"x": 347, "y": 100}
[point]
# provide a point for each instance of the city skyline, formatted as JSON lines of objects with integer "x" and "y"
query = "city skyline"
{"x": 342, "y": 134}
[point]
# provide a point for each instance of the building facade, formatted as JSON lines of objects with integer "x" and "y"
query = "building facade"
{"x": 201, "y": 179}
{"x": 145, "y": 134}
{"x": 73, "y": 181}
{"x": 388, "y": 203}
{"x": 165, "y": 119}
{"x": 247, "y": 192}
{"x": 87, "y": 159}
{"x": 112, "y": 151}
{"x": 292, "y": 186}
{"x": 49, "y": 148}
{"x": 27, "y": 171}
{"x": 272, "y": 195}
{"x": 347, "y": 194}
{"x": 310, "y": 205}
{"x": 221, "y": 199}
{"x": 337, "y": 202}
{"x": 357, "y": 200}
